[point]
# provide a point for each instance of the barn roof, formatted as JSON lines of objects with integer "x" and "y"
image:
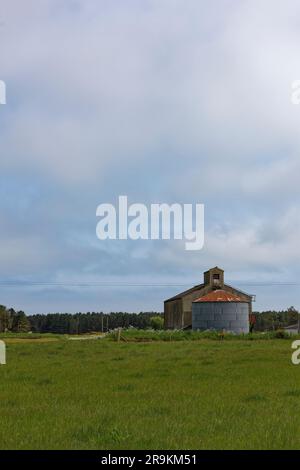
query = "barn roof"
{"x": 188, "y": 291}
{"x": 219, "y": 295}
{"x": 200, "y": 286}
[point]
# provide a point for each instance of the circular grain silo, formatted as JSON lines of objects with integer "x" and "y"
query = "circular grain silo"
{"x": 221, "y": 310}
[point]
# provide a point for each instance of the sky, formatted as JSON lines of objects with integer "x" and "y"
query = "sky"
{"x": 163, "y": 101}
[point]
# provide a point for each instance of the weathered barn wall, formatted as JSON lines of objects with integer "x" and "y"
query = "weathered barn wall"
{"x": 178, "y": 313}
{"x": 173, "y": 314}
{"x": 230, "y": 316}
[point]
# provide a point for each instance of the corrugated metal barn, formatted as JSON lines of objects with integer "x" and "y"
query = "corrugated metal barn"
{"x": 210, "y": 305}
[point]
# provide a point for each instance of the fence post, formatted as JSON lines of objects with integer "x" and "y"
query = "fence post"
{"x": 119, "y": 334}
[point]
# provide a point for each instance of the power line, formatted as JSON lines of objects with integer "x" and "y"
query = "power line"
{"x": 132, "y": 284}
{"x": 84, "y": 284}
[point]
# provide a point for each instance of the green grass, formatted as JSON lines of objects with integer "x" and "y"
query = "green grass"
{"x": 160, "y": 395}
{"x": 30, "y": 336}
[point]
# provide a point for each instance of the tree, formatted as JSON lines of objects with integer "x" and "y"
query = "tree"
{"x": 20, "y": 323}
{"x": 252, "y": 321}
{"x": 4, "y": 319}
{"x": 157, "y": 322}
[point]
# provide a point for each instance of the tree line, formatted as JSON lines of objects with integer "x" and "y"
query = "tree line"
{"x": 274, "y": 320}
{"x": 78, "y": 323}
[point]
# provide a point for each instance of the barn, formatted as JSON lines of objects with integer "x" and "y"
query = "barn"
{"x": 210, "y": 305}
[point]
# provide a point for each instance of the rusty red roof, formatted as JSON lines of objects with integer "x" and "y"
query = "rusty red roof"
{"x": 219, "y": 295}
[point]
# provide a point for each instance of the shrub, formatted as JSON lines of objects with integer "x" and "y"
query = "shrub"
{"x": 157, "y": 323}
{"x": 281, "y": 334}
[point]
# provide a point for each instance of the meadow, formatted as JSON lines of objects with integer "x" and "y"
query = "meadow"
{"x": 101, "y": 394}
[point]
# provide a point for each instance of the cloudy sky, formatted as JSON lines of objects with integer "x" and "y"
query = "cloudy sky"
{"x": 162, "y": 101}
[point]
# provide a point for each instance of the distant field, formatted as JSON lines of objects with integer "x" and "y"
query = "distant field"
{"x": 159, "y": 395}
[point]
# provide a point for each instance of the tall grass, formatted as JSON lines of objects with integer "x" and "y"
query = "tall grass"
{"x": 136, "y": 335}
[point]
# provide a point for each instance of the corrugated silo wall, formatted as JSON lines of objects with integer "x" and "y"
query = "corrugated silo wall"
{"x": 230, "y": 316}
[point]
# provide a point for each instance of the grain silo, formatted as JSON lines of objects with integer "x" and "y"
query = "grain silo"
{"x": 220, "y": 310}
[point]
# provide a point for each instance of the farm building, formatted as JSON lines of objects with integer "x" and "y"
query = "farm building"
{"x": 292, "y": 329}
{"x": 210, "y": 305}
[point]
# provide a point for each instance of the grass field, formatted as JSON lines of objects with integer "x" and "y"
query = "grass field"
{"x": 159, "y": 395}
